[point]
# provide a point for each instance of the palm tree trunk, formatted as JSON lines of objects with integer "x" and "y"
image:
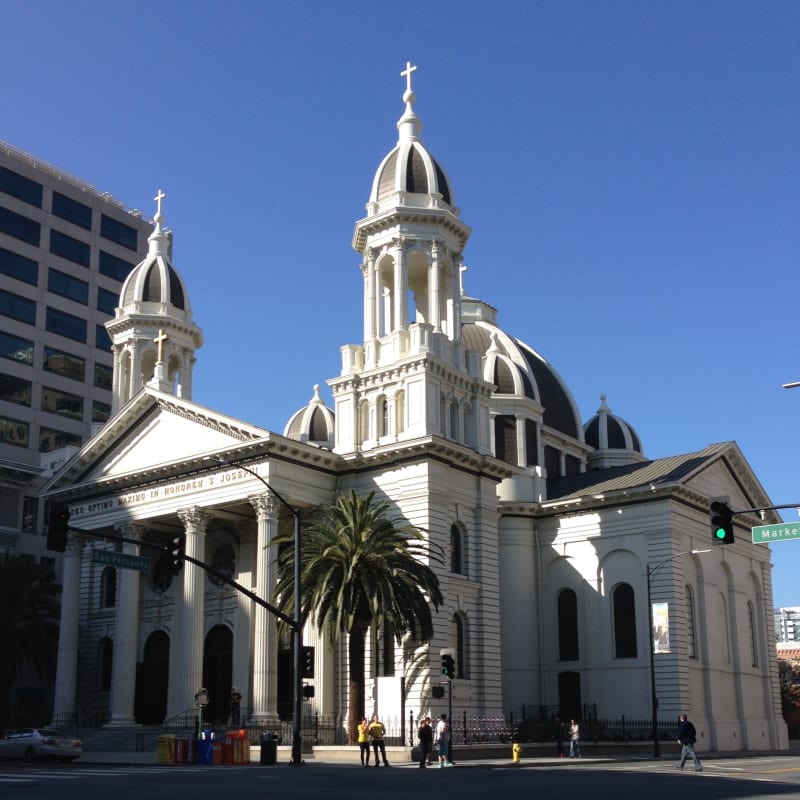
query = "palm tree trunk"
{"x": 356, "y": 693}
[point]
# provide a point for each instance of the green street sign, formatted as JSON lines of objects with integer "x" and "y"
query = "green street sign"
{"x": 780, "y": 532}
{"x": 115, "y": 559}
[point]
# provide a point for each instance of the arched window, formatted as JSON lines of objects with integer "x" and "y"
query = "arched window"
{"x": 106, "y": 655}
{"x": 624, "y": 622}
{"x": 108, "y": 588}
{"x": 751, "y": 622}
{"x": 456, "y": 549}
{"x": 400, "y": 411}
{"x": 454, "y": 433}
{"x": 567, "y": 625}
{"x": 224, "y": 561}
{"x": 691, "y": 633}
{"x": 383, "y": 417}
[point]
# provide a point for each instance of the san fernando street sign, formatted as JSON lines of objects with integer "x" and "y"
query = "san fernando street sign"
{"x": 115, "y": 559}
{"x": 780, "y": 532}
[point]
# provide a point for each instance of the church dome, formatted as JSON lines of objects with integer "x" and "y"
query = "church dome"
{"x": 409, "y": 169}
{"x": 517, "y": 370}
{"x": 614, "y": 441}
{"x": 154, "y": 280}
{"x": 314, "y": 423}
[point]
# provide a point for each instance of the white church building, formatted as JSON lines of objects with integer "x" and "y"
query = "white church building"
{"x": 550, "y": 525}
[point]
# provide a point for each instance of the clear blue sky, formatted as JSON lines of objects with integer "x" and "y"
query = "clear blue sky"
{"x": 630, "y": 171}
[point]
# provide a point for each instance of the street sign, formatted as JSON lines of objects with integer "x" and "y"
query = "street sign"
{"x": 780, "y": 532}
{"x": 115, "y": 559}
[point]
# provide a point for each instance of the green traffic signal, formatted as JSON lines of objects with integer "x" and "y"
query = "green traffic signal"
{"x": 722, "y": 522}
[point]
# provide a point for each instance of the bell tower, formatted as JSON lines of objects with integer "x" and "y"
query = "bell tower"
{"x": 410, "y": 377}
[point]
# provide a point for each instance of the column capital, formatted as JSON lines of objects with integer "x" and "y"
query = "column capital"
{"x": 266, "y": 506}
{"x": 194, "y": 518}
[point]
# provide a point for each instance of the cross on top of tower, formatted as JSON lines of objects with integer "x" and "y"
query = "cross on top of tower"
{"x": 406, "y": 73}
{"x": 158, "y": 198}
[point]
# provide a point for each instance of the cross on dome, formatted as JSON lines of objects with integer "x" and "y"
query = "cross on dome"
{"x": 406, "y": 73}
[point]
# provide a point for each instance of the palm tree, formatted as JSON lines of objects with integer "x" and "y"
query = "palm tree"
{"x": 360, "y": 568}
{"x": 28, "y": 624}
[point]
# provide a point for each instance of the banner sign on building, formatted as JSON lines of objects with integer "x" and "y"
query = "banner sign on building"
{"x": 661, "y": 628}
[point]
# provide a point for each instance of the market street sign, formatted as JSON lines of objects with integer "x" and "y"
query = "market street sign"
{"x": 780, "y": 532}
{"x": 115, "y": 559}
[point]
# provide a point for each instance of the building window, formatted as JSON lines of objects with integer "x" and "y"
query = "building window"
{"x": 18, "y": 308}
{"x": 50, "y": 440}
{"x": 62, "y": 403}
{"x": 505, "y": 438}
{"x": 567, "y": 625}
{"x": 106, "y": 660}
{"x": 15, "y": 390}
{"x": 22, "y": 228}
{"x": 19, "y": 186}
{"x": 107, "y": 301}
{"x": 29, "y": 506}
{"x": 14, "y": 431}
{"x": 224, "y": 561}
{"x": 103, "y": 376}
{"x": 624, "y": 622}
{"x": 101, "y": 412}
{"x": 114, "y": 267}
{"x": 15, "y": 348}
{"x": 60, "y": 363}
{"x": 66, "y": 325}
{"x": 751, "y": 622}
{"x": 19, "y": 267}
{"x": 102, "y": 341}
{"x": 691, "y": 632}
{"x": 72, "y": 249}
{"x": 456, "y": 550}
{"x": 108, "y": 588}
{"x": 66, "y": 286}
{"x": 118, "y": 232}
{"x": 72, "y": 211}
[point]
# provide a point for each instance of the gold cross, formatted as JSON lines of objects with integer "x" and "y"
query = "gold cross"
{"x": 159, "y": 340}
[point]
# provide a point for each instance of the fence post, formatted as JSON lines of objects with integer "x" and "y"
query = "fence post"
{"x": 465, "y": 727}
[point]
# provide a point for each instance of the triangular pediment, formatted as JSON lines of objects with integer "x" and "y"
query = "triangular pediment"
{"x": 152, "y": 433}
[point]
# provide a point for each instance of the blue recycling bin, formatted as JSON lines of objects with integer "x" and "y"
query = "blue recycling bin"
{"x": 205, "y": 753}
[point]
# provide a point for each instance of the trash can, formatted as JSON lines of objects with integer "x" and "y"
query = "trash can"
{"x": 269, "y": 748}
{"x": 166, "y": 748}
{"x": 204, "y": 752}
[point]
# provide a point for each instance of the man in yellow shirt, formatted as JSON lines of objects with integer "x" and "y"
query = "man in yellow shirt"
{"x": 376, "y": 734}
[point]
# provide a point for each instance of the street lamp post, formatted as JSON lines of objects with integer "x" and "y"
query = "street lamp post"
{"x": 653, "y": 694}
{"x": 297, "y": 629}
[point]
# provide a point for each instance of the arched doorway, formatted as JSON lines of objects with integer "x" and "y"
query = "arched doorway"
{"x": 218, "y": 673}
{"x": 152, "y": 678}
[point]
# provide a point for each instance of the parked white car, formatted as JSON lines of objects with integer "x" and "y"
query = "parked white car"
{"x": 40, "y": 744}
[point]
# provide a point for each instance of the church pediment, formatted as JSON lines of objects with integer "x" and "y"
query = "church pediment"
{"x": 150, "y": 433}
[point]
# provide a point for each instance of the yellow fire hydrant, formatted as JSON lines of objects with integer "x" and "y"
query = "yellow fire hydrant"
{"x": 515, "y": 751}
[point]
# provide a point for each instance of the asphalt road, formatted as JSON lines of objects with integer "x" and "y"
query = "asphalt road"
{"x": 758, "y": 777}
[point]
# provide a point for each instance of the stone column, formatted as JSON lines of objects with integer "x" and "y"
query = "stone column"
{"x": 67, "y": 666}
{"x": 190, "y": 599}
{"x": 265, "y": 647}
{"x": 126, "y": 635}
{"x": 400, "y": 291}
{"x": 135, "y": 377}
{"x": 434, "y": 286}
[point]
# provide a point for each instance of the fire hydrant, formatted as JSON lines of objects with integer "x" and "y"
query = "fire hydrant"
{"x": 515, "y": 751}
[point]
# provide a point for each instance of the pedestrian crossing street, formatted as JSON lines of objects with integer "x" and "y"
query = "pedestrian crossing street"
{"x": 27, "y": 776}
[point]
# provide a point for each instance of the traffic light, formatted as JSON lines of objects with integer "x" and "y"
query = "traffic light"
{"x": 177, "y": 552}
{"x": 307, "y": 661}
{"x": 58, "y": 527}
{"x": 721, "y": 522}
{"x": 448, "y": 666}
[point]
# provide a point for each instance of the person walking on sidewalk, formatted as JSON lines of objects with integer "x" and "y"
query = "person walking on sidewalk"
{"x": 425, "y": 735}
{"x": 574, "y": 739}
{"x": 363, "y": 741}
{"x": 443, "y": 741}
{"x": 376, "y": 732}
{"x": 687, "y": 736}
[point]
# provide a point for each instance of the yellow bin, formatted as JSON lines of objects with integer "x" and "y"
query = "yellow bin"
{"x": 166, "y": 748}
